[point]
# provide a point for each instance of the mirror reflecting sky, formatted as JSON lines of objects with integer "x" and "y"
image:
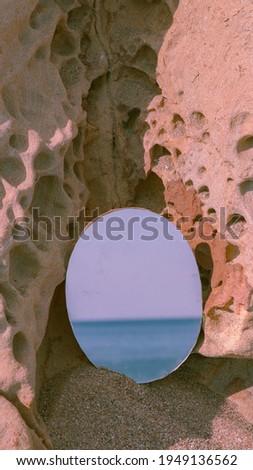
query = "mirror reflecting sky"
{"x": 134, "y": 294}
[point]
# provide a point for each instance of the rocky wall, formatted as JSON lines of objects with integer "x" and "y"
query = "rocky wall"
{"x": 89, "y": 120}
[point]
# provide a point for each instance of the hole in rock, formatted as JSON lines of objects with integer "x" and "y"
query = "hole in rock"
{"x": 78, "y": 16}
{"x": 178, "y": 125}
{"x": 40, "y": 16}
{"x": 232, "y": 251}
{"x": 177, "y": 119}
{"x": 201, "y": 170}
{"x": 132, "y": 307}
{"x": 236, "y": 225}
{"x": 71, "y": 72}
{"x": 197, "y": 218}
{"x": 150, "y": 193}
{"x": 63, "y": 42}
{"x": 246, "y": 186}
{"x": 133, "y": 115}
{"x": 246, "y": 190}
{"x": 32, "y": 104}
{"x": 206, "y": 136}
{"x": 214, "y": 233}
{"x": 24, "y": 201}
{"x": 49, "y": 196}
{"x": 19, "y": 142}
{"x": 235, "y": 219}
{"x": 204, "y": 192}
{"x": 41, "y": 53}
{"x": 10, "y": 100}
{"x": 19, "y": 347}
{"x": 43, "y": 161}
{"x": 246, "y": 143}
{"x": 169, "y": 216}
{"x": 197, "y": 119}
{"x": 24, "y": 267}
{"x": 12, "y": 170}
{"x": 158, "y": 151}
{"x": 10, "y": 214}
{"x": 205, "y": 264}
{"x": 135, "y": 87}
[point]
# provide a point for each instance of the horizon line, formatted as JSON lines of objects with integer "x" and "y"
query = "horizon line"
{"x": 133, "y": 319}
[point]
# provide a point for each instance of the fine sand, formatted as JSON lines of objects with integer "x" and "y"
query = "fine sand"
{"x": 89, "y": 408}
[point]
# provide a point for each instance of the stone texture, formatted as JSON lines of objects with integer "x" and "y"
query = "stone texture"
{"x": 79, "y": 78}
{"x": 38, "y": 125}
{"x": 200, "y": 145}
{"x": 14, "y": 432}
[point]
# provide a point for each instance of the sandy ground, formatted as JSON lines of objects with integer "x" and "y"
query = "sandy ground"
{"x": 89, "y": 408}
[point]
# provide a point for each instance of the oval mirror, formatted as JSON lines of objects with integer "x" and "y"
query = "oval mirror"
{"x": 134, "y": 294}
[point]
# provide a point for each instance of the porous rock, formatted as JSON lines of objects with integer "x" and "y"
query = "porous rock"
{"x": 86, "y": 120}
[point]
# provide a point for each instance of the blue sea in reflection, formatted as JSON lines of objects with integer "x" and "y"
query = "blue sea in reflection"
{"x": 141, "y": 349}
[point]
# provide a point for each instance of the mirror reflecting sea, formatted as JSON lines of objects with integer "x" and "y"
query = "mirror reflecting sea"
{"x": 140, "y": 349}
{"x": 134, "y": 294}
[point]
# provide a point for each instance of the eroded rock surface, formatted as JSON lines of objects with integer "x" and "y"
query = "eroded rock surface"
{"x": 38, "y": 125}
{"x": 15, "y": 433}
{"x": 200, "y": 145}
{"x": 79, "y": 77}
